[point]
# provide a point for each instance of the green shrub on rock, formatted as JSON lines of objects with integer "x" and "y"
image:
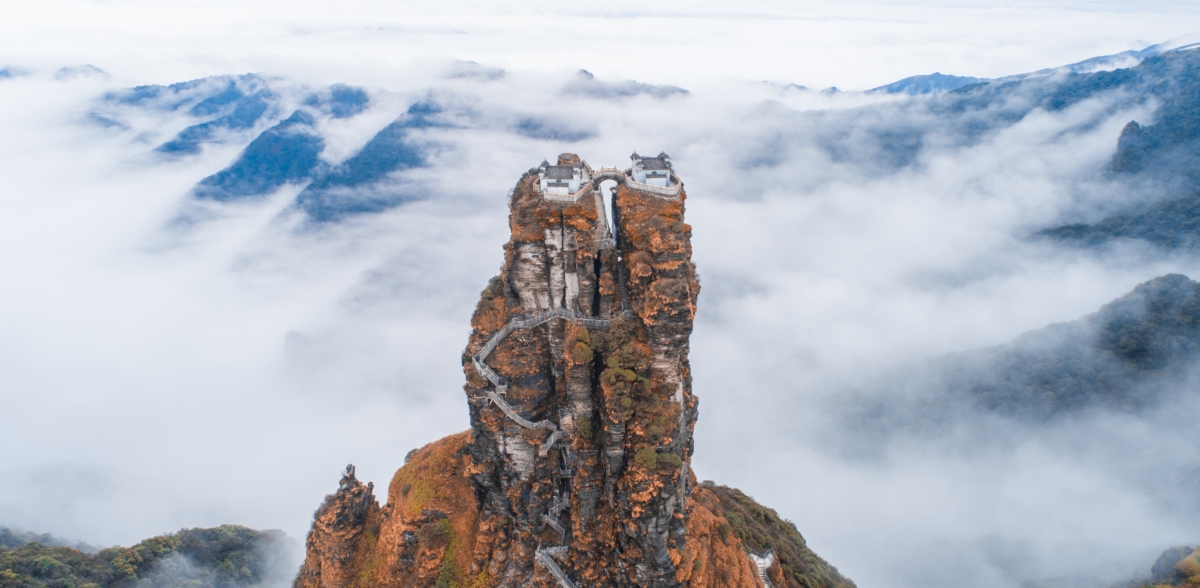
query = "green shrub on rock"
{"x": 646, "y": 457}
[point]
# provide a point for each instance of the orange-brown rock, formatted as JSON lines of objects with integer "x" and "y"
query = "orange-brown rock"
{"x": 576, "y": 469}
{"x": 425, "y": 536}
{"x": 759, "y": 528}
{"x": 430, "y": 534}
{"x": 343, "y": 535}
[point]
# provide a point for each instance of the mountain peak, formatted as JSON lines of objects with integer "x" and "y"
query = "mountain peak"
{"x": 576, "y": 469}
{"x": 934, "y": 83}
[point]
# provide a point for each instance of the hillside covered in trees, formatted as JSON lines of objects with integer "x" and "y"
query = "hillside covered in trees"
{"x": 1133, "y": 355}
{"x": 228, "y": 556}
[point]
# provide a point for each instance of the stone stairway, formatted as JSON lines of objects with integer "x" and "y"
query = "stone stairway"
{"x": 512, "y": 414}
{"x": 762, "y": 562}
{"x": 526, "y": 322}
{"x": 543, "y": 557}
{"x": 554, "y": 522}
{"x": 544, "y": 450}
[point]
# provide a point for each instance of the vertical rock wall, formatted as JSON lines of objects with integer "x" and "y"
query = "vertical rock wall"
{"x": 613, "y": 490}
{"x": 576, "y": 469}
{"x": 661, "y": 288}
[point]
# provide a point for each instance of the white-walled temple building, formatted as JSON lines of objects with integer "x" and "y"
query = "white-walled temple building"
{"x": 652, "y": 171}
{"x": 562, "y": 180}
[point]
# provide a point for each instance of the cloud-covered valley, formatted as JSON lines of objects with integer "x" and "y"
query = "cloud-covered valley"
{"x": 217, "y": 294}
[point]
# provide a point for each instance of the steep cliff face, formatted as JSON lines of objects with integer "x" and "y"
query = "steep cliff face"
{"x": 576, "y": 469}
{"x": 608, "y": 480}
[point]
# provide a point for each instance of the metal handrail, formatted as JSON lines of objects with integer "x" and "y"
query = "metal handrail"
{"x": 501, "y": 384}
{"x": 542, "y": 555}
{"x": 761, "y": 563}
{"x": 554, "y": 437}
{"x": 512, "y": 414}
{"x": 553, "y": 522}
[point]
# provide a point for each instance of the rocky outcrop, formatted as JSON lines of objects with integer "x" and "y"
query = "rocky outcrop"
{"x": 1176, "y": 567}
{"x": 342, "y": 534}
{"x": 760, "y": 530}
{"x": 431, "y": 533}
{"x": 575, "y": 471}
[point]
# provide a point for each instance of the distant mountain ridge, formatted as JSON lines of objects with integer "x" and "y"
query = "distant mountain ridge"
{"x": 1174, "y": 224}
{"x": 937, "y": 82}
{"x": 934, "y": 83}
{"x": 1163, "y": 153}
{"x": 1114, "y": 357}
{"x": 285, "y": 127}
{"x": 228, "y": 556}
{"x": 13, "y": 538}
{"x": 1132, "y": 354}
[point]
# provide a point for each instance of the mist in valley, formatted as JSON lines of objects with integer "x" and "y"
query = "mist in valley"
{"x": 173, "y": 358}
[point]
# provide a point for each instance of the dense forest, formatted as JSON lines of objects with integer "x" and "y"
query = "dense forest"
{"x": 228, "y": 556}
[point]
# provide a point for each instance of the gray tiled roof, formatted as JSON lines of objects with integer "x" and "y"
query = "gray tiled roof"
{"x": 560, "y": 172}
{"x": 649, "y": 163}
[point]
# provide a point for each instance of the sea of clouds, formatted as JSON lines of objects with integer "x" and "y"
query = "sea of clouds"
{"x": 166, "y": 363}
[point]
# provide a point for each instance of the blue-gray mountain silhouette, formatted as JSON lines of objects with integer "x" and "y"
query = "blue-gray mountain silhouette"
{"x": 288, "y": 152}
{"x": 339, "y": 101}
{"x": 1164, "y": 154}
{"x": 934, "y": 83}
{"x": 585, "y": 83}
{"x": 365, "y": 182}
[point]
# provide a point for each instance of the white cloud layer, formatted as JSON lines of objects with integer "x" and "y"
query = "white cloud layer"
{"x": 154, "y": 376}
{"x": 853, "y": 45}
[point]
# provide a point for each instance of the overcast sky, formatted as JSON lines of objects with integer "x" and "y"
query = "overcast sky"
{"x": 154, "y": 377}
{"x": 851, "y": 45}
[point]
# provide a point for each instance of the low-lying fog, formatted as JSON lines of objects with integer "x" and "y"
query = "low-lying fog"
{"x": 157, "y": 373}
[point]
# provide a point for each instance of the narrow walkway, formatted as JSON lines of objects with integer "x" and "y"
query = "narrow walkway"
{"x": 608, "y": 173}
{"x": 512, "y": 414}
{"x": 500, "y": 384}
{"x": 554, "y": 522}
{"x": 611, "y": 173}
{"x": 526, "y": 322}
{"x": 762, "y": 563}
{"x": 550, "y": 441}
{"x": 542, "y": 555}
